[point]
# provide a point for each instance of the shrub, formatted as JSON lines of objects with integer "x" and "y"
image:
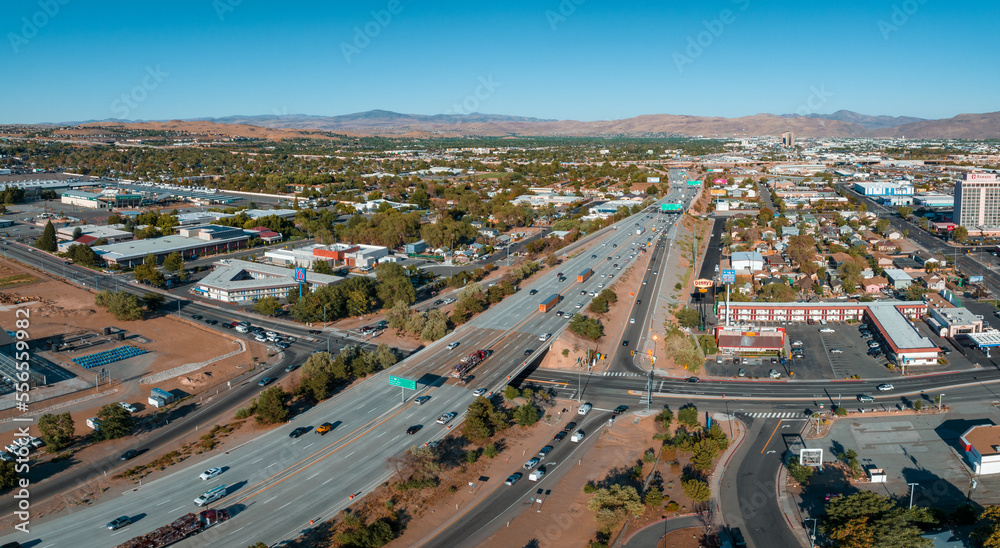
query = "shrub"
{"x": 471, "y": 456}
{"x": 490, "y": 451}
{"x": 589, "y": 488}
{"x": 799, "y": 472}
{"x": 648, "y": 456}
{"x": 841, "y": 411}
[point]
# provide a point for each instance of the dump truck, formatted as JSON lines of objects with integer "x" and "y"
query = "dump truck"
{"x": 468, "y": 362}
{"x": 182, "y": 528}
{"x": 585, "y": 275}
{"x": 548, "y": 303}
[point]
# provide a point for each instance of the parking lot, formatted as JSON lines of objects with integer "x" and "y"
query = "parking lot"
{"x": 837, "y": 355}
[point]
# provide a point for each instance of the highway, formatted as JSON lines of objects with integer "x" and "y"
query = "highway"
{"x": 274, "y": 472}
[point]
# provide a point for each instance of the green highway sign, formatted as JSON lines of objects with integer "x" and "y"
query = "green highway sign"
{"x": 403, "y": 383}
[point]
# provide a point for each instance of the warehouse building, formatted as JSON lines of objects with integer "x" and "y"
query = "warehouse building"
{"x": 957, "y": 320}
{"x": 190, "y": 243}
{"x": 235, "y": 281}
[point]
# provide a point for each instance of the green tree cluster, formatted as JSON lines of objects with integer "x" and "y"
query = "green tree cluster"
{"x": 148, "y": 273}
{"x": 696, "y": 489}
{"x": 352, "y": 297}
{"x": 322, "y": 373}
{"x": 82, "y": 255}
{"x": 587, "y": 327}
{"x": 116, "y": 422}
{"x": 47, "y": 241}
{"x": 57, "y": 430}
{"x": 688, "y": 317}
{"x": 268, "y": 306}
{"x": 120, "y": 304}
{"x": 869, "y": 519}
{"x": 614, "y": 504}
{"x": 484, "y": 418}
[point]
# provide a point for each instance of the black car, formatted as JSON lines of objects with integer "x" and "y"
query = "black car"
{"x": 227, "y": 325}
{"x": 211, "y": 321}
{"x": 130, "y": 454}
{"x": 195, "y": 317}
{"x": 559, "y": 436}
{"x": 624, "y": 343}
{"x": 621, "y": 409}
{"x": 638, "y": 301}
{"x": 528, "y": 351}
{"x": 693, "y": 379}
{"x": 414, "y": 429}
{"x": 298, "y": 432}
{"x": 532, "y": 292}
{"x": 569, "y": 426}
{"x": 314, "y": 331}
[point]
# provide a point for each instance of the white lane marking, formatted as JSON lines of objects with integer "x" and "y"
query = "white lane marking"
{"x": 270, "y": 499}
{"x": 176, "y": 509}
{"x": 164, "y": 502}
{"x": 286, "y": 504}
{"x": 258, "y": 460}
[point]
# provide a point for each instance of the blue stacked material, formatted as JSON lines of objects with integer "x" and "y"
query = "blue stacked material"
{"x": 108, "y": 356}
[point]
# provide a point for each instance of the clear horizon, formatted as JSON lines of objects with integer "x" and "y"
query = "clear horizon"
{"x": 560, "y": 59}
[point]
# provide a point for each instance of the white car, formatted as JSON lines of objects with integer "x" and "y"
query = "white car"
{"x": 544, "y": 336}
{"x": 885, "y": 387}
{"x": 446, "y": 418}
{"x": 797, "y": 343}
{"x": 827, "y": 330}
{"x": 210, "y": 473}
{"x": 128, "y": 407}
{"x": 479, "y": 392}
{"x": 836, "y": 351}
{"x": 452, "y": 346}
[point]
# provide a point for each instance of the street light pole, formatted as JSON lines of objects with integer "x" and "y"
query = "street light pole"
{"x": 912, "y": 485}
{"x": 812, "y": 537}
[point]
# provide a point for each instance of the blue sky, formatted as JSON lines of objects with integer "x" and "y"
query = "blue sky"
{"x": 66, "y": 60}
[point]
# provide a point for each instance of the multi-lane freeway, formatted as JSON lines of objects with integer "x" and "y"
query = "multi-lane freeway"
{"x": 282, "y": 483}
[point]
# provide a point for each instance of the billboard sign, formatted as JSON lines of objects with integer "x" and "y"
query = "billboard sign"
{"x": 975, "y": 279}
{"x": 702, "y": 283}
{"x": 694, "y": 183}
{"x": 719, "y": 181}
{"x": 728, "y": 276}
{"x": 652, "y": 179}
{"x": 980, "y": 177}
{"x": 300, "y": 275}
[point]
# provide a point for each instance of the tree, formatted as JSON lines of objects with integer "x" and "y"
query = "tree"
{"x": 615, "y": 504}
{"x": 777, "y": 292}
{"x": 688, "y": 415}
{"x": 83, "y": 255}
{"x": 511, "y": 392}
{"x": 688, "y": 317}
{"x": 987, "y": 534}
{"x": 123, "y": 306}
{"x": 153, "y": 301}
{"x": 322, "y": 267}
{"x": 598, "y": 305}
{"x": 8, "y": 475}
{"x": 148, "y": 273}
{"x": 527, "y": 414}
{"x": 696, "y": 490}
{"x": 483, "y": 419}
{"x": 394, "y": 284}
{"x": 798, "y": 471}
{"x": 653, "y": 497}
{"x": 914, "y": 292}
{"x": 57, "y": 430}
{"x": 586, "y": 326}
{"x": 887, "y": 523}
{"x": 960, "y": 234}
{"x": 267, "y": 306}
{"x": 272, "y": 406}
{"x": 904, "y": 211}
{"x": 77, "y": 232}
{"x": 116, "y": 422}
{"x": 436, "y": 326}
{"x": 47, "y": 241}
{"x": 174, "y": 262}
{"x": 764, "y": 216}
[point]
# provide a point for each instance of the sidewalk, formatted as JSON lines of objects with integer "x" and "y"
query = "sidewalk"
{"x": 788, "y": 507}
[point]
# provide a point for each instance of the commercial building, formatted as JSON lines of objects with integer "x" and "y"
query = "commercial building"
{"x": 898, "y": 279}
{"x": 747, "y": 261}
{"x": 788, "y": 139}
{"x": 982, "y": 449}
{"x": 107, "y": 232}
{"x": 360, "y": 256}
{"x": 884, "y": 188}
{"x": 977, "y": 201}
{"x": 103, "y": 200}
{"x": 235, "y": 281}
{"x": 190, "y": 243}
{"x": 957, "y": 320}
{"x": 903, "y": 343}
{"x": 535, "y": 200}
{"x": 934, "y": 199}
{"x": 733, "y": 340}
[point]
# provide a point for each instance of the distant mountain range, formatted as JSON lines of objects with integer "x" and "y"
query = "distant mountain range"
{"x": 842, "y": 123}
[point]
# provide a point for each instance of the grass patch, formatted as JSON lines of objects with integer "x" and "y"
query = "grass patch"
{"x": 17, "y": 279}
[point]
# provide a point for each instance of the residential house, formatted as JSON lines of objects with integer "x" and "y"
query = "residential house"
{"x": 875, "y": 284}
{"x": 882, "y": 260}
{"x": 898, "y": 279}
{"x": 885, "y": 245}
{"x": 894, "y": 235}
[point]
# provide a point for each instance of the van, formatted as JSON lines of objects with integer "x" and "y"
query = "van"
{"x": 241, "y": 328}
{"x": 577, "y": 436}
{"x": 536, "y": 474}
{"x": 585, "y": 408}
{"x": 94, "y": 423}
{"x": 211, "y": 496}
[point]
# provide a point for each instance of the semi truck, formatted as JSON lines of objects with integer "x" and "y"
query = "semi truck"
{"x": 549, "y": 303}
{"x": 585, "y": 275}
{"x": 468, "y": 362}
{"x": 640, "y": 230}
{"x": 182, "y": 528}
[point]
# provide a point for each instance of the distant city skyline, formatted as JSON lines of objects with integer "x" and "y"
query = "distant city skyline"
{"x": 558, "y": 59}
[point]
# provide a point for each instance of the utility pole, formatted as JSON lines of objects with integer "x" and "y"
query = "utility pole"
{"x": 912, "y": 485}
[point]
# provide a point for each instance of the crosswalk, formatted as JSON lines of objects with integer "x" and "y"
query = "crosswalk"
{"x": 774, "y": 415}
{"x": 621, "y": 374}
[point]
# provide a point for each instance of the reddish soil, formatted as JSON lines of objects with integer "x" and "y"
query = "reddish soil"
{"x": 682, "y": 538}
